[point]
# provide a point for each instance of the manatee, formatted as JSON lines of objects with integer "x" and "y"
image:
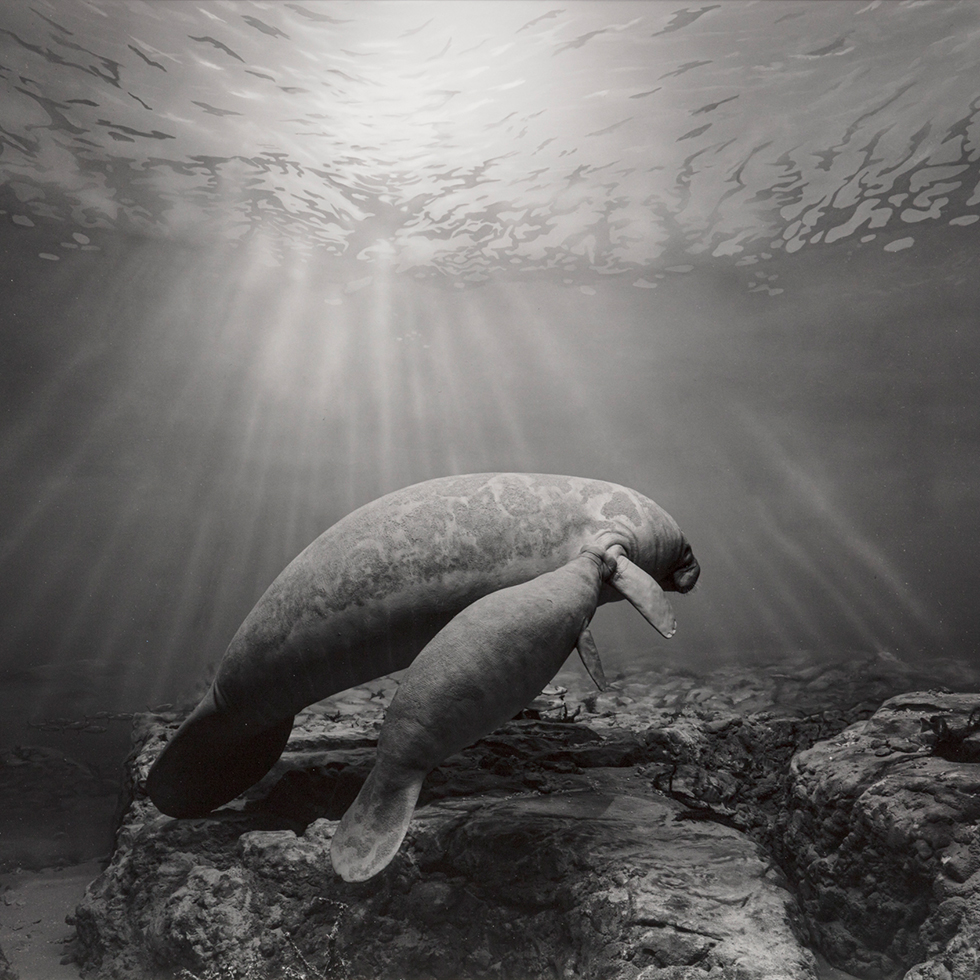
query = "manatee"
{"x": 367, "y": 595}
{"x": 476, "y": 673}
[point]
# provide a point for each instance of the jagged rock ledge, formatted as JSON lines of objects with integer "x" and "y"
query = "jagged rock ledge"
{"x": 617, "y": 836}
{"x": 882, "y": 837}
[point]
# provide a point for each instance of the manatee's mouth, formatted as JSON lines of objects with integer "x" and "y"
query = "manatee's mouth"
{"x": 684, "y": 579}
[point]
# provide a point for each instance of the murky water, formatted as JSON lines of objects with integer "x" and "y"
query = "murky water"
{"x": 264, "y": 262}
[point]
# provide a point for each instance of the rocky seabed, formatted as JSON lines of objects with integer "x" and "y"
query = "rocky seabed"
{"x": 674, "y": 827}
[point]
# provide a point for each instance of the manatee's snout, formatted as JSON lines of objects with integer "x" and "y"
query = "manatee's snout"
{"x": 686, "y": 578}
{"x": 685, "y": 574}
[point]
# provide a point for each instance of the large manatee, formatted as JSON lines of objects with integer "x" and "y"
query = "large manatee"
{"x": 367, "y": 595}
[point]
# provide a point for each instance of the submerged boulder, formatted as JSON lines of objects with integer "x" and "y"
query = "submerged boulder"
{"x": 883, "y": 839}
{"x": 543, "y": 850}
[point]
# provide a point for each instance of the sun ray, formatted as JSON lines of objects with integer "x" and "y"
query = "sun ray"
{"x": 850, "y": 557}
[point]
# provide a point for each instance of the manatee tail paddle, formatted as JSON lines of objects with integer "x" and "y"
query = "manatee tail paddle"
{"x": 214, "y": 756}
{"x": 373, "y": 828}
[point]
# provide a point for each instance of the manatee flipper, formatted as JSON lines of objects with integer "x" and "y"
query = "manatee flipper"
{"x": 589, "y": 653}
{"x": 645, "y": 594}
{"x": 374, "y": 826}
{"x": 214, "y": 756}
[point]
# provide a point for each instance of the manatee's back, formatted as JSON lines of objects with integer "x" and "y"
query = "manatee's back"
{"x": 359, "y": 602}
{"x": 373, "y": 589}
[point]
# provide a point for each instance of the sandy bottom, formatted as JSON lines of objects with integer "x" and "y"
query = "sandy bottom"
{"x": 33, "y": 906}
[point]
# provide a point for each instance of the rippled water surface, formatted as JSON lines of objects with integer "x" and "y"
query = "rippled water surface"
{"x": 263, "y": 262}
{"x": 480, "y": 138}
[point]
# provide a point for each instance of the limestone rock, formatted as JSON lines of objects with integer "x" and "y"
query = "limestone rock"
{"x": 543, "y": 850}
{"x": 599, "y": 835}
{"x": 882, "y": 837}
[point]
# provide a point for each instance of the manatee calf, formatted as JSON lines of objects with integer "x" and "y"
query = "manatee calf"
{"x": 367, "y": 595}
{"x": 478, "y": 672}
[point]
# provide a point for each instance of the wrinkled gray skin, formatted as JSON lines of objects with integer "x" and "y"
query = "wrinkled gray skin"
{"x": 368, "y": 594}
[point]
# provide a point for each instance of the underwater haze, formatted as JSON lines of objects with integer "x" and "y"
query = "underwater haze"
{"x": 263, "y": 262}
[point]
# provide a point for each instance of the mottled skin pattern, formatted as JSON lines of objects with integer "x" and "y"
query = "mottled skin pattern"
{"x": 478, "y": 672}
{"x": 366, "y": 596}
